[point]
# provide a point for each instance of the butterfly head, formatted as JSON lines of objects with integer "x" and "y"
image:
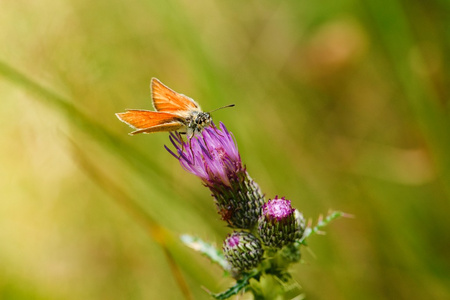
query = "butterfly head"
{"x": 198, "y": 121}
{"x": 204, "y": 119}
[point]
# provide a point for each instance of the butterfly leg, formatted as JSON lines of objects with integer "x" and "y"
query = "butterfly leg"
{"x": 216, "y": 130}
{"x": 190, "y": 138}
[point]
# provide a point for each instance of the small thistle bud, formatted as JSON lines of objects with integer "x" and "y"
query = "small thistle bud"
{"x": 243, "y": 251}
{"x": 213, "y": 157}
{"x": 280, "y": 224}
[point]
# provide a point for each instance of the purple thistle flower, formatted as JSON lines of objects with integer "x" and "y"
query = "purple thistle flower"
{"x": 232, "y": 241}
{"x": 213, "y": 156}
{"x": 278, "y": 208}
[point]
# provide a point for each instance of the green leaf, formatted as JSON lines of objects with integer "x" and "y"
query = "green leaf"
{"x": 240, "y": 285}
{"x": 207, "y": 249}
{"x": 321, "y": 223}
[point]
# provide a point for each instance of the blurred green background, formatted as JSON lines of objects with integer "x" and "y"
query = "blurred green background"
{"x": 339, "y": 105}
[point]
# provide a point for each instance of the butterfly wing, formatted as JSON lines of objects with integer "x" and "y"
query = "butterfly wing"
{"x": 173, "y": 126}
{"x": 150, "y": 121}
{"x": 167, "y": 100}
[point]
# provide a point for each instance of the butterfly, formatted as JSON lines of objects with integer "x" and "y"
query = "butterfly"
{"x": 174, "y": 111}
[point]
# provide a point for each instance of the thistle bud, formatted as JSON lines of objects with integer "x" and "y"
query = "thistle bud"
{"x": 243, "y": 251}
{"x": 280, "y": 224}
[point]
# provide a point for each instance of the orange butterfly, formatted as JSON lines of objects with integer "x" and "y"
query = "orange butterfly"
{"x": 174, "y": 111}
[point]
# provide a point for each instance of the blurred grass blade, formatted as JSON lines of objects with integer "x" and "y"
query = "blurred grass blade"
{"x": 137, "y": 159}
{"x": 157, "y": 232}
{"x": 393, "y": 27}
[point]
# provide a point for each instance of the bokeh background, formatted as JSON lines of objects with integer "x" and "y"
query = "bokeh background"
{"x": 339, "y": 105}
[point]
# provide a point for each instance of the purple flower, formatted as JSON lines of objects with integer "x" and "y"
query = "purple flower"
{"x": 213, "y": 156}
{"x": 278, "y": 208}
{"x": 232, "y": 241}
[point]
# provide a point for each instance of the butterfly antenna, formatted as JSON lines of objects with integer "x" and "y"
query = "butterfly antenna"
{"x": 229, "y": 105}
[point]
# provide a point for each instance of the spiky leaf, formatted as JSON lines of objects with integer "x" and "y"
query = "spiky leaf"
{"x": 207, "y": 249}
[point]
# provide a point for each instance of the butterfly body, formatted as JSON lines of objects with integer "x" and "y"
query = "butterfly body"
{"x": 174, "y": 111}
{"x": 197, "y": 122}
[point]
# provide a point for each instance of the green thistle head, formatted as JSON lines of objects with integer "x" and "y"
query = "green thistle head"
{"x": 243, "y": 251}
{"x": 280, "y": 224}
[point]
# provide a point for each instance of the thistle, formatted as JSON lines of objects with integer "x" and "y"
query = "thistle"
{"x": 213, "y": 157}
{"x": 280, "y": 224}
{"x": 243, "y": 251}
{"x": 271, "y": 234}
